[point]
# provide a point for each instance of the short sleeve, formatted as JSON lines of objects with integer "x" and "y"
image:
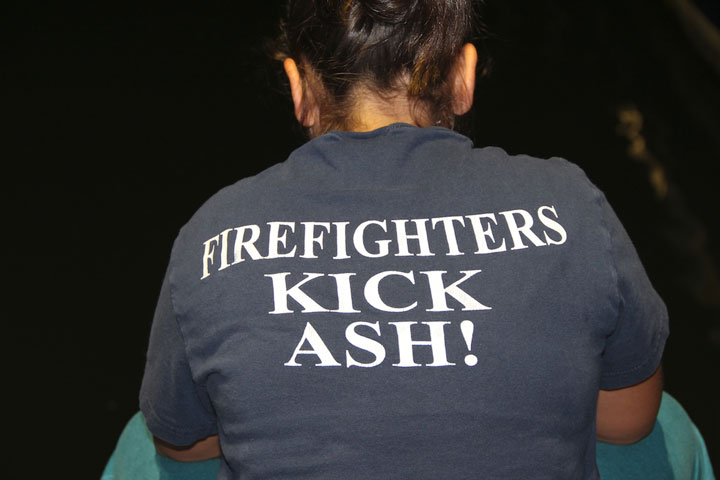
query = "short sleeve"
{"x": 634, "y": 349}
{"x": 176, "y": 409}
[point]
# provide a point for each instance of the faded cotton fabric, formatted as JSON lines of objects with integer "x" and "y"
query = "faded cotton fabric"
{"x": 398, "y": 304}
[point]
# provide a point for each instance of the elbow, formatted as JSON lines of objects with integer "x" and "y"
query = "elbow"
{"x": 205, "y": 449}
{"x": 625, "y": 435}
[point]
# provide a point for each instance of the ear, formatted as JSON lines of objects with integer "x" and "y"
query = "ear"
{"x": 306, "y": 109}
{"x": 464, "y": 79}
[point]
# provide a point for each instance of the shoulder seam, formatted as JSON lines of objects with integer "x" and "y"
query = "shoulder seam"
{"x": 599, "y": 198}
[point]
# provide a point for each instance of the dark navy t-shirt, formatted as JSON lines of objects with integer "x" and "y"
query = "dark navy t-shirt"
{"x": 399, "y": 304}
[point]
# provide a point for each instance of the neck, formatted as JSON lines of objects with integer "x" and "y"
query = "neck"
{"x": 371, "y": 112}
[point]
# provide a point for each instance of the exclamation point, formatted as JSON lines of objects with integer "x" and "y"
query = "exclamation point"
{"x": 467, "y": 327}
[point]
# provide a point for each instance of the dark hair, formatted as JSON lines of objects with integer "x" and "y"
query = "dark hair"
{"x": 382, "y": 45}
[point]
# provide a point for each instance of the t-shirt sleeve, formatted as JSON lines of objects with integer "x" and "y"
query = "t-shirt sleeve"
{"x": 634, "y": 348}
{"x": 176, "y": 409}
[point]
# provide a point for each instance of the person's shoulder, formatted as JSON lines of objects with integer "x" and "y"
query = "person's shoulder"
{"x": 235, "y": 200}
{"x": 528, "y": 162}
{"x": 533, "y": 169}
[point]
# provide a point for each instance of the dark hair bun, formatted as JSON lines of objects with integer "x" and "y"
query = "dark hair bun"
{"x": 380, "y": 44}
{"x": 387, "y": 11}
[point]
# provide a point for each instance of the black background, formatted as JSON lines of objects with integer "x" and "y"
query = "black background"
{"x": 122, "y": 119}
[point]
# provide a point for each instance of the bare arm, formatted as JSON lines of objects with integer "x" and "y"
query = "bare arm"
{"x": 204, "y": 449}
{"x": 627, "y": 415}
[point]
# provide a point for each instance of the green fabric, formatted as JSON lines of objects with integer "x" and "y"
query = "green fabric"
{"x": 674, "y": 450}
{"x": 134, "y": 458}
